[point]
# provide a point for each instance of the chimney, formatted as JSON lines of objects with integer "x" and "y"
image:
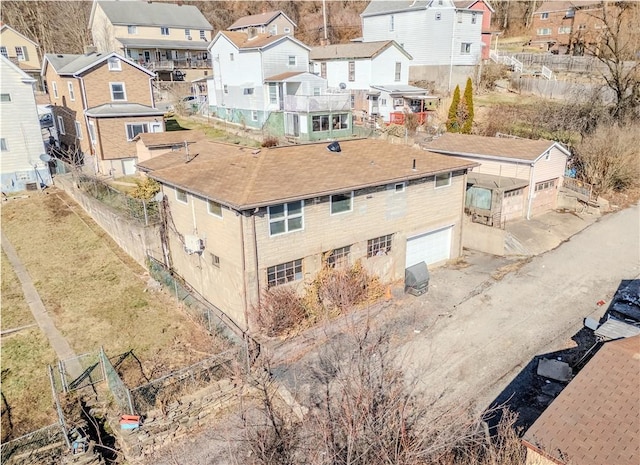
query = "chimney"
{"x": 88, "y": 49}
{"x": 324, "y": 42}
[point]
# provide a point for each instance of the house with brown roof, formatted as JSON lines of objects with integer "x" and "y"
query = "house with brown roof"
{"x": 566, "y": 26}
{"x": 100, "y": 103}
{"x": 269, "y": 22}
{"x": 245, "y": 220}
{"x": 595, "y": 420}
{"x": 515, "y": 177}
{"x": 263, "y": 81}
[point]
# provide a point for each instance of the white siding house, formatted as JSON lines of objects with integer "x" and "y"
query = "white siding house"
{"x": 20, "y": 135}
{"x": 445, "y": 42}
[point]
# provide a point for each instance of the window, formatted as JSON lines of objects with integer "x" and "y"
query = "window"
{"x": 398, "y": 102}
{"x": 338, "y": 258}
{"x": 115, "y": 64}
{"x": 3, "y": 145}
{"x": 544, "y": 31}
{"x": 352, "y": 71}
{"x": 203, "y": 35}
{"x": 292, "y": 60}
{"x": 225, "y": 89}
{"x": 72, "y": 93}
{"x": 78, "y": 130}
{"x": 181, "y": 195}
{"x": 284, "y": 273}
{"x": 164, "y": 31}
{"x": 514, "y": 193}
{"x": 61, "y": 125}
{"x": 340, "y": 121}
{"x": 379, "y": 246}
{"x": 273, "y": 29}
{"x": 582, "y": 27}
{"x": 133, "y": 129}
{"x": 92, "y": 132}
{"x": 392, "y": 25}
{"x": 273, "y": 93}
{"x": 443, "y": 180}
{"x": 5, "y": 97}
{"x": 287, "y": 30}
{"x": 132, "y": 29}
{"x": 320, "y": 123}
{"x": 215, "y": 260}
{"x": 398, "y": 70}
{"x": 438, "y": 16}
{"x": 465, "y": 48}
{"x": 459, "y": 17}
{"x": 544, "y": 15}
{"x": 214, "y": 208}
{"x": 286, "y": 217}
{"x": 248, "y": 91}
{"x": 352, "y": 101}
{"x": 254, "y": 115}
{"x": 54, "y": 88}
{"x": 341, "y": 203}
{"x": 383, "y": 102}
{"x": 316, "y": 91}
{"x": 474, "y": 18}
{"x": 21, "y": 53}
{"x": 564, "y": 30}
{"x": 399, "y": 187}
{"x": 231, "y": 57}
{"x": 117, "y": 91}
{"x": 541, "y": 186}
{"x": 323, "y": 70}
{"x": 3, "y": 51}
{"x": 187, "y": 34}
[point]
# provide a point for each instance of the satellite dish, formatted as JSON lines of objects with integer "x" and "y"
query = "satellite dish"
{"x": 45, "y": 157}
{"x": 342, "y": 86}
{"x": 158, "y": 197}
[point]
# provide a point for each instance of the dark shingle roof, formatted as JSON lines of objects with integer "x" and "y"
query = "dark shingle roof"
{"x": 596, "y": 419}
{"x": 352, "y": 50}
{"x": 242, "y": 178}
{"x": 155, "y": 14}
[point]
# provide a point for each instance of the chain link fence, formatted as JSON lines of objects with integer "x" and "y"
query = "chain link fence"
{"x": 118, "y": 389}
{"x": 144, "y": 211}
{"x": 49, "y": 441}
{"x": 80, "y": 372}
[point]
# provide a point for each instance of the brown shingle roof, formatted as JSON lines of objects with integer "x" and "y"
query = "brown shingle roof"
{"x": 596, "y": 419}
{"x": 241, "y": 39}
{"x": 491, "y": 147}
{"x": 257, "y": 20}
{"x": 565, "y": 5}
{"x": 352, "y": 50}
{"x": 158, "y": 139}
{"x": 242, "y": 179}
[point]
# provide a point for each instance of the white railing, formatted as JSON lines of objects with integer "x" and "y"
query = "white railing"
{"x": 547, "y": 73}
{"x": 305, "y": 104}
{"x": 506, "y": 60}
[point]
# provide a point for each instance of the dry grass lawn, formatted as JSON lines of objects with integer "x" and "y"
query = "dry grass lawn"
{"x": 94, "y": 292}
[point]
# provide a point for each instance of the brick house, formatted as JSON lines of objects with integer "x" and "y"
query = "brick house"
{"x": 596, "y": 418}
{"x": 101, "y": 102}
{"x": 515, "y": 177}
{"x": 566, "y": 26}
{"x": 244, "y": 220}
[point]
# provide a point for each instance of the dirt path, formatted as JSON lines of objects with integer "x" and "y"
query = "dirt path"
{"x": 56, "y": 339}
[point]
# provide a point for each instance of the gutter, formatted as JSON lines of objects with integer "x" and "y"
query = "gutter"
{"x": 484, "y": 157}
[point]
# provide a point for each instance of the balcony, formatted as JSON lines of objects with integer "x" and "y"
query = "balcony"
{"x": 306, "y": 104}
{"x": 170, "y": 65}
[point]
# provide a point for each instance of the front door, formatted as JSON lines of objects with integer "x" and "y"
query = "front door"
{"x": 147, "y": 56}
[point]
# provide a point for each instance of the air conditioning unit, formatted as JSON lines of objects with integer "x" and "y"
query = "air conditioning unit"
{"x": 193, "y": 244}
{"x": 189, "y": 38}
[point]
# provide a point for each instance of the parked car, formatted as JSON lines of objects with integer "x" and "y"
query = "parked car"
{"x": 190, "y": 99}
{"x": 46, "y": 120}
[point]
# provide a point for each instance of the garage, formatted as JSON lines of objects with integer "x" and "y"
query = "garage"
{"x": 430, "y": 247}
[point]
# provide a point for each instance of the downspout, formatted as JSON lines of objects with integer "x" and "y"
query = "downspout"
{"x": 255, "y": 252}
{"x": 531, "y": 191}
{"x": 86, "y": 121}
{"x": 244, "y": 274}
{"x": 153, "y": 101}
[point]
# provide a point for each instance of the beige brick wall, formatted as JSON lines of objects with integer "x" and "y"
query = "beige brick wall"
{"x": 137, "y": 85}
{"x": 112, "y": 136}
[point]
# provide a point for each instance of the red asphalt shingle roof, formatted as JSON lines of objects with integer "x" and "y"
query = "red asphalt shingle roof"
{"x": 596, "y": 419}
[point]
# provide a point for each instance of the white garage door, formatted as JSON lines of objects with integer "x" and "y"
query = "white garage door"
{"x": 431, "y": 247}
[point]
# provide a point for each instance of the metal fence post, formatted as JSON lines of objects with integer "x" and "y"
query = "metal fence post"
{"x": 146, "y": 217}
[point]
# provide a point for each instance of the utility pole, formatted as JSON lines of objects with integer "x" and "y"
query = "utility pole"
{"x": 324, "y": 18}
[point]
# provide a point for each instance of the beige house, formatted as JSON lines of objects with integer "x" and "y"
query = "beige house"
{"x": 519, "y": 177}
{"x": 245, "y": 220}
{"x": 271, "y": 22}
{"x": 101, "y": 102}
{"x": 22, "y": 51}
{"x": 595, "y": 420}
{"x": 168, "y": 38}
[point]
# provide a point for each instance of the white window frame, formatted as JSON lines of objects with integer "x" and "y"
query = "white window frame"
{"x": 92, "y": 132}
{"x": 293, "y": 60}
{"x": 323, "y": 70}
{"x": 164, "y": 29}
{"x": 231, "y": 57}
{"x": 179, "y": 192}
{"x": 211, "y": 212}
{"x": 247, "y": 91}
{"x": 465, "y": 48}
{"x": 203, "y": 34}
{"x": 392, "y": 25}
{"x": 187, "y": 34}
{"x": 286, "y": 216}
{"x": 338, "y": 258}
{"x": 20, "y": 53}
{"x": 287, "y": 30}
{"x": 60, "y": 127}
{"x": 399, "y": 187}
{"x": 474, "y": 18}
{"x": 398, "y": 71}
{"x": 5, "y": 97}
{"x": 350, "y": 198}
{"x": 4, "y": 147}
{"x": 4, "y": 52}
{"x": 289, "y": 272}
{"x": 273, "y": 93}
{"x": 78, "y": 128}
{"x": 124, "y": 91}
{"x": 114, "y": 64}
{"x": 441, "y": 176}
{"x": 564, "y": 30}
{"x": 544, "y": 31}
{"x": 352, "y": 71}
{"x": 132, "y": 29}
{"x": 544, "y": 15}
{"x": 254, "y": 115}
{"x": 128, "y": 125}
{"x": 438, "y": 16}
{"x": 72, "y": 93}
{"x": 54, "y": 88}
{"x": 381, "y": 245}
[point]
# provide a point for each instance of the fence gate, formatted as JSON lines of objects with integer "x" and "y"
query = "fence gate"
{"x": 80, "y": 372}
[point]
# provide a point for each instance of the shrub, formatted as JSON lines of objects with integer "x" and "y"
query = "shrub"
{"x": 269, "y": 141}
{"x": 281, "y": 310}
{"x": 453, "y": 125}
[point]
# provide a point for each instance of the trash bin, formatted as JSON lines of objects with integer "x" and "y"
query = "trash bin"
{"x": 416, "y": 279}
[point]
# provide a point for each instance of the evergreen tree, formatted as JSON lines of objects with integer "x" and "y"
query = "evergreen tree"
{"x": 468, "y": 103}
{"x": 453, "y": 124}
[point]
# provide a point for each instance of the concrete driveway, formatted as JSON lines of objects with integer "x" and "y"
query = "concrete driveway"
{"x": 471, "y": 350}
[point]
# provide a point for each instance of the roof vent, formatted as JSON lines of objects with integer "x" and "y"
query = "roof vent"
{"x": 334, "y": 147}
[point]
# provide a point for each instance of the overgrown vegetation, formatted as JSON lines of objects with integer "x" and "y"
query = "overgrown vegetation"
{"x": 145, "y": 189}
{"x": 333, "y": 291}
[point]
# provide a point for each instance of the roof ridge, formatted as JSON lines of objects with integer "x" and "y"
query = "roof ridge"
{"x": 252, "y": 179}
